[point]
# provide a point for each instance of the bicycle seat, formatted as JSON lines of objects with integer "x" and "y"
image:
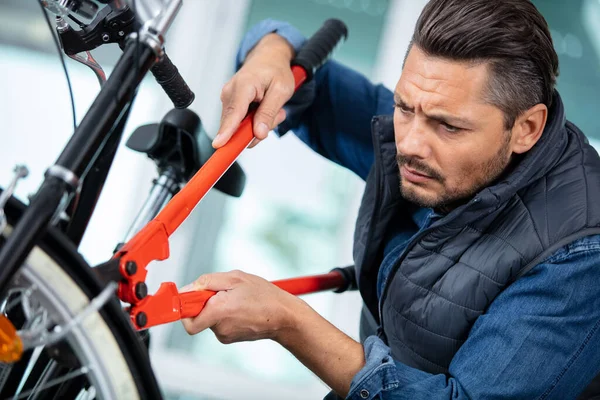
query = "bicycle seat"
{"x": 180, "y": 142}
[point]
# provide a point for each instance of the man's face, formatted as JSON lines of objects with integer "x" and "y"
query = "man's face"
{"x": 450, "y": 143}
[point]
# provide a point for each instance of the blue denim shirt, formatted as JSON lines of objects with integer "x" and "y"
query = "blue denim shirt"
{"x": 539, "y": 339}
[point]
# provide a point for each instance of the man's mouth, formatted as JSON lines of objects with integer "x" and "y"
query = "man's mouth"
{"x": 413, "y": 176}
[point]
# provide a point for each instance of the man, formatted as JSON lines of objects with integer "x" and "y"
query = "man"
{"x": 477, "y": 244}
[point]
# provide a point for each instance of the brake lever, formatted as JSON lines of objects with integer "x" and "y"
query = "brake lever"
{"x": 87, "y": 59}
{"x": 109, "y": 26}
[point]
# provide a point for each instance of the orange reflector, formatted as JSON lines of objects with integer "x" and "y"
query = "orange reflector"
{"x": 11, "y": 347}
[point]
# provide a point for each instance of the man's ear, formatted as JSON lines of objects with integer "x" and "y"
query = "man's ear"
{"x": 528, "y": 128}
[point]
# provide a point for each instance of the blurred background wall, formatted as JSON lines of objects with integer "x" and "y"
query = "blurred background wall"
{"x": 297, "y": 214}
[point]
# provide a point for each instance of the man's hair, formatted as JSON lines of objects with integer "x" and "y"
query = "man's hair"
{"x": 510, "y": 35}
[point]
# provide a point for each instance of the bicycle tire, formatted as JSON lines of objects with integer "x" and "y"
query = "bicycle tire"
{"x": 122, "y": 354}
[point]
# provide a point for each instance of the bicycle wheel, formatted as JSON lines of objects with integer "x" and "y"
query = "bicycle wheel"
{"x": 100, "y": 358}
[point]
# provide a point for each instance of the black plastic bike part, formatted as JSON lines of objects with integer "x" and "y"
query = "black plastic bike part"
{"x": 171, "y": 144}
{"x": 179, "y": 142}
{"x": 131, "y": 344}
{"x": 108, "y": 107}
{"x": 349, "y": 274}
{"x": 108, "y": 271}
{"x": 233, "y": 180}
{"x": 77, "y": 21}
{"x": 109, "y": 26}
{"x": 84, "y": 8}
{"x": 84, "y": 204}
{"x": 62, "y": 353}
{"x": 318, "y": 48}
{"x": 167, "y": 75}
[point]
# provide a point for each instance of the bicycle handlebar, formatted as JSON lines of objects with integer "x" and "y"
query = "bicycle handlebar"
{"x": 318, "y": 48}
{"x": 168, "y": 77}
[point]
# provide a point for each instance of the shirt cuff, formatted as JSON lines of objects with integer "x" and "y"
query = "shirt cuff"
{"x": 293, "y": 36}
{"x": 379, "y": 373}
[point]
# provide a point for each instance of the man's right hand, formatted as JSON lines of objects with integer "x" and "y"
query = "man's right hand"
{"x": 265, "y": 78}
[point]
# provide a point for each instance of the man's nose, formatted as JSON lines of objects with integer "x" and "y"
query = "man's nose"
{"x": 412, "y": 140}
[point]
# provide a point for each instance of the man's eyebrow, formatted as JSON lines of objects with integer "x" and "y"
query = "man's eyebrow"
{"x": 451, "y": 120}
{"x": 439, "y": 117}
{"x": 398, "y": 100}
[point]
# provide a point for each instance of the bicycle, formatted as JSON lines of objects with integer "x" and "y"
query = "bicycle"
{"x": 60, "y": 321}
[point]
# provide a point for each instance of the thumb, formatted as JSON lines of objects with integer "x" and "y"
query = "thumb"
{"x": 218, "y": 281}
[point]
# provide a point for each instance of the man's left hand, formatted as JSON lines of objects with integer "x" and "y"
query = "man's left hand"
{"x": 245, "y": 307}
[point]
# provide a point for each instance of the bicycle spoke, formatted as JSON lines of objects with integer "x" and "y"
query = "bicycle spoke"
{"x": 48, "y": 371}
{"x": 54, "y": 382}
{"x": 32, "y": 361}
{"x": 4, "y": 373}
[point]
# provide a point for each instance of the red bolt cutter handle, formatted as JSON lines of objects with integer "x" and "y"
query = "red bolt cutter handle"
{"x": 168, "y": 305}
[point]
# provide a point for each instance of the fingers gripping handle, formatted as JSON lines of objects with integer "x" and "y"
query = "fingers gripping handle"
{"x": 318, "y": 48}
{"x": 167, "y": 75}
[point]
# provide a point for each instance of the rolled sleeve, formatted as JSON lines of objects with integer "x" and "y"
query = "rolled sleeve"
{"x": 379, "y": 373}
{"x": 384, "y": 378}
{"x": 293, "y": 36}
{"x": 332, "y": 113}
{"x": 306, "y": 94}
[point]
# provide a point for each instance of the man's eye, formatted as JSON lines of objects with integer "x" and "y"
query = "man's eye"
{"x": 402, "y": 109}
{"x": 450, "y": 128}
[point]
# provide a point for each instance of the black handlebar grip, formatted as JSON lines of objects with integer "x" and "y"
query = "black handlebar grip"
{"x": 167, "y": 75}
{"x": 349, "y": 274}
{"x": 320, "y": 45}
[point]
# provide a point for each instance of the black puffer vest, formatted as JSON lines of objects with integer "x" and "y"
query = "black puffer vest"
{"x": 475, "y": 251}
